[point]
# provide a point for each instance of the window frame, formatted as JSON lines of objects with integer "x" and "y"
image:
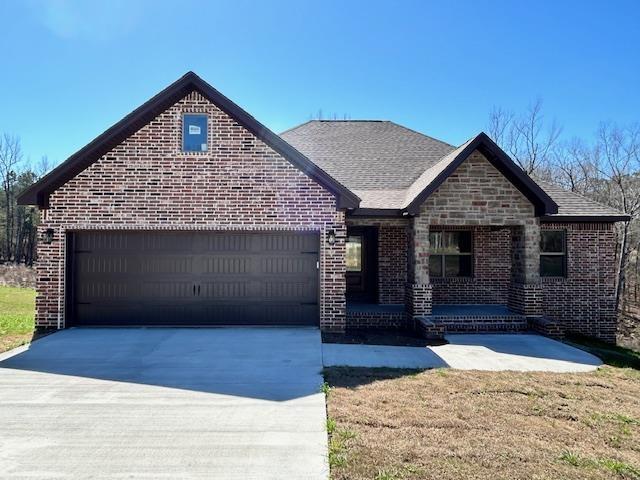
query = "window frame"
{"x": 564, "y": 254}
{"x": 183, "y": 128}
{"x": 443, "y": 256}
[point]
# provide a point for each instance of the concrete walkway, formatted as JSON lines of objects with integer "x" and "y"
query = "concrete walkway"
{"x": 520, "y": 352}
{"x": 165, "y": 403}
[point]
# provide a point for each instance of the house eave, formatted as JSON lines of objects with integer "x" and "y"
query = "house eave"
{"x": 584, "y": 218}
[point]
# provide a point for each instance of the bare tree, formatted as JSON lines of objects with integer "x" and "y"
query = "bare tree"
{"x": 618, "y": 152}
{"x": 10, "y": 158}
{"x": 527, "y": 138}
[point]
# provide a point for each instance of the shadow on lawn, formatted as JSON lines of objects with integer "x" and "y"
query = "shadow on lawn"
{"x": 352, "y": 377}
{"x": 610, "y": 354}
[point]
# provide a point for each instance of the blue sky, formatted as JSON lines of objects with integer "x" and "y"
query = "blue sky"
{"x": 70, "y": 69}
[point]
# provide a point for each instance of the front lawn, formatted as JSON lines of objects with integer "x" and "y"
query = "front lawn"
{"x": 17, "y": 309}
{"x": 447, "y": 424}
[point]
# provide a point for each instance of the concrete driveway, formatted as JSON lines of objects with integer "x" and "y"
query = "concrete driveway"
{"x": 165, "y": 403}
{"x": 518, "y": 352}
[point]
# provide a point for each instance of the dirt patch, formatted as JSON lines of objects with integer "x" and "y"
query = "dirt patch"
{"x": 445, "y": 424}
{"x": 8, "y": 342}
{"x": 393, "y": 337}
{"x": 17, "y": 276}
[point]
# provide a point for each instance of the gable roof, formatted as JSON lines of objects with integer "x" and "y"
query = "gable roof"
{"x": 39, "y": 192}
{"x": 436, "y": 175}
{"x": 394, "y": 169}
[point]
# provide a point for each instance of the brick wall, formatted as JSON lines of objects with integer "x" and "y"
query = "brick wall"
{"x": 148, "y": 183}
{"x": 392, "y": 256}
{"x": 491, "y": 278}
{"x": 584, "y": 301}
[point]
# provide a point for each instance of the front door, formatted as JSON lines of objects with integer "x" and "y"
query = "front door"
{"x": 362, "y": 264}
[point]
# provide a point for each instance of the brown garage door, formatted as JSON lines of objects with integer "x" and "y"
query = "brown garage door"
{"x": 193, "y": 278}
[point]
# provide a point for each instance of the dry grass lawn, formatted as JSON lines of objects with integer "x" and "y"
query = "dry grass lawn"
{"x": 447, "y": 424}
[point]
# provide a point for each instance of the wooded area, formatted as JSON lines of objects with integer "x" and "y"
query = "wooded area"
{"x": 18, "y": 235}
{"x": 605, "y": 169}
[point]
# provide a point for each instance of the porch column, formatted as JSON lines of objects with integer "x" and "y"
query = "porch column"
{"x": 418, "y": 290}
{"x": 525, "y": 294}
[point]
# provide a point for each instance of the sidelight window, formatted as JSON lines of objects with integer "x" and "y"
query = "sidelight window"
{"x": 354, "y": 253}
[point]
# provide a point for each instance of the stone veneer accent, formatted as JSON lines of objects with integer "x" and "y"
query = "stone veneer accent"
{"x": 148, "y": 183}
{"x": 476, "y": 194}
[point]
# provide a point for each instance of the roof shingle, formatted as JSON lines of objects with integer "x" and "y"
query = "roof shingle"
{"x": 388, "y": 165}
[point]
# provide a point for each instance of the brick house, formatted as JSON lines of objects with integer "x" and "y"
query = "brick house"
{"x": 190, "y": 212}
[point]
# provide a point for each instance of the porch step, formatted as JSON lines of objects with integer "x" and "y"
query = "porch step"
{"x": 368, "y": 315}
{"x": 474, "y": 319}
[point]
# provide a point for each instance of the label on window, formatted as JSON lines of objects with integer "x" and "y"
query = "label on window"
{"x": 194, "y": 130}
{"x": 203, "y": 147}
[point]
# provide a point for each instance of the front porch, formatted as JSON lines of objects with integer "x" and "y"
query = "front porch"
{"x": 444, "y": 318}
{"x": 486, "y": 283}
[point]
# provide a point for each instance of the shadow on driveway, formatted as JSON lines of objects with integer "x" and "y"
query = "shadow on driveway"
{"x": 265, "y": 363}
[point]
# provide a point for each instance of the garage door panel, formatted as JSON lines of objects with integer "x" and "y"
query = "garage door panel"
{"x": 194, "y": 278}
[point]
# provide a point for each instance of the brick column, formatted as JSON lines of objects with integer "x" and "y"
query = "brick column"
{"x": 333, "y": 285}
{"x": 525, "y": 293}
{"x": 418, "y": 290}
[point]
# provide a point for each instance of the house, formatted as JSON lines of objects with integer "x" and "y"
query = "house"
{"x": 191, "y": 212}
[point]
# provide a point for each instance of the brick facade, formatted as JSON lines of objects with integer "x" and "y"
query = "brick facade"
{"x": 392, "y": 256}
{"x": 584, "y": 301}
{"x": 148, "y": 183}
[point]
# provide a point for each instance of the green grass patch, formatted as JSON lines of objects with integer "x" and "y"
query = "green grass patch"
{"x": 621, "y": 469}
{"x": 610, "y": 354}
{"x": 17, "y": 310}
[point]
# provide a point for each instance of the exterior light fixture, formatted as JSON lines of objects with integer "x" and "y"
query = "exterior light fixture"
{"x": 48, "y": 235}
{"x": 331, "y": 237}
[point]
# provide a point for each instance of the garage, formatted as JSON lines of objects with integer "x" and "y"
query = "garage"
{"x": 192, "y": 278}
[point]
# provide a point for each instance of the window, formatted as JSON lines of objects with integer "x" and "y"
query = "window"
{"x": 354, "y": 253}
{"x": 553, "y": 253}
{"x": 194, "y": 133}
{"x": 450, "y": 254}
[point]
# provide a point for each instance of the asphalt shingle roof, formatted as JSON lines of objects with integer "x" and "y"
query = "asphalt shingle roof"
{"x": 388, "y": 165}
{"x": 367, "y": 155}
{"x": 571, "y": 203}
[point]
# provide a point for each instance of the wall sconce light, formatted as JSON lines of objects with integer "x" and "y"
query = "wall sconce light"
{"x": 48, "y": 235}
{"x": 331, "y": 237}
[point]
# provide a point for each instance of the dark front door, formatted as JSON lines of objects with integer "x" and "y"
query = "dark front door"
{"x": 362, "y": 264}
{"x": 193, "y": 278}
